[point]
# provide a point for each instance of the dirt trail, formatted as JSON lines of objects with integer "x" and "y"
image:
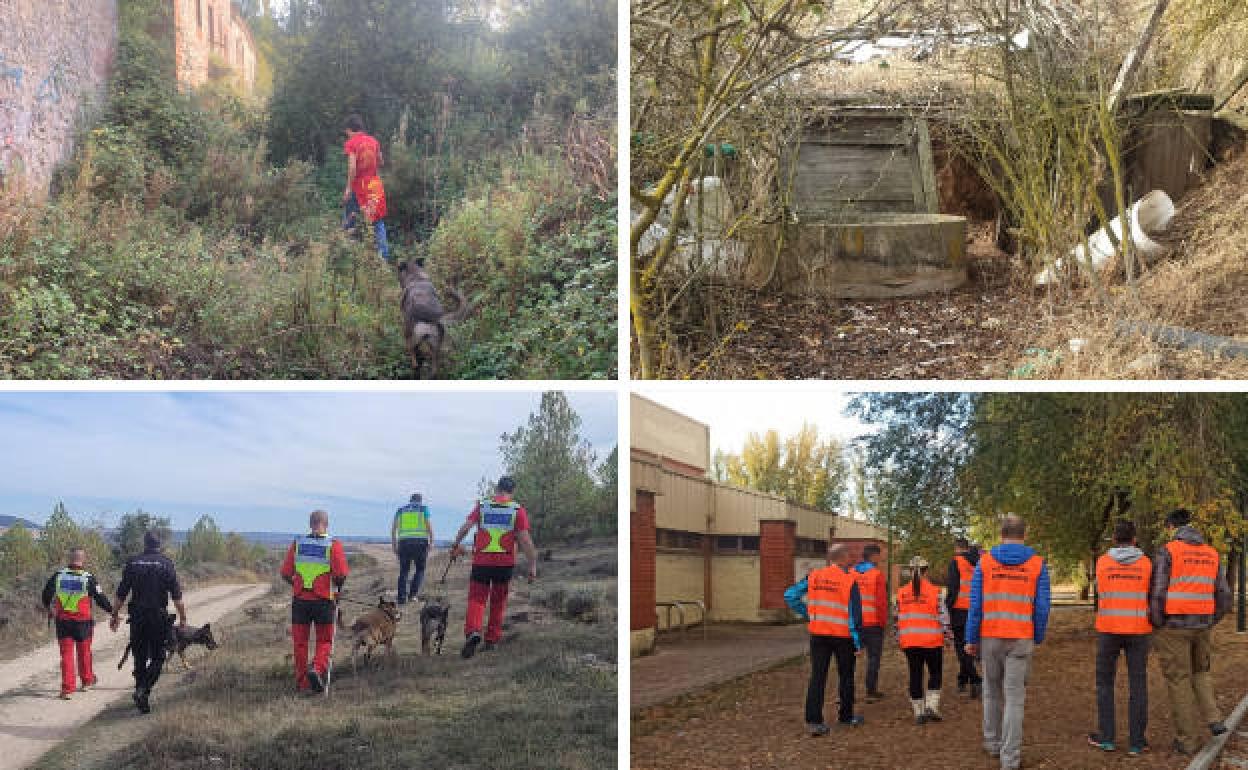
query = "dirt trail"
{"x": 32, "y": 720}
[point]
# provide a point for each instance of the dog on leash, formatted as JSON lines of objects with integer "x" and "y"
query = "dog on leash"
{"x": 433, "y": 619}
{"x": 373, "y": 629}
{"x": 424, "y": 321}
{"x": 178, "y": 640}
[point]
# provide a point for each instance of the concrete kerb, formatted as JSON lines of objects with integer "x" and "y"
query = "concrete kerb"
{"x": 1209, "y": 754}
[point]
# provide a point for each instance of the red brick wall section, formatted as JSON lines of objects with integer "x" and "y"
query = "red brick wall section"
{"x": 776, "y": 544}
{"x": 642, "y": 588}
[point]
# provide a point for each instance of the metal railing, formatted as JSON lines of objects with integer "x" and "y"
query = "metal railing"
{"x": 679, "y": 605}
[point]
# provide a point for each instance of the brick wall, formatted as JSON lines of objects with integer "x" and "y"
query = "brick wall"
{"x": 776, "y": 544}
{"x": 208, "y": 30}
{"x": 55, "y": 59}
{"x": 642, "y": 560}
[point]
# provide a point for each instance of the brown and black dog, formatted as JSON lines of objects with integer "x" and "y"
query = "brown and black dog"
{"x": 179, "y": 639}
{"x": 424, "y": 321}
{"x": 375, "y": 628}
{"x": 433, "y": 619}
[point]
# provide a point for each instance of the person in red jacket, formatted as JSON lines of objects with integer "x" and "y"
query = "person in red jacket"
{"x": 501, "y": 522}
{"x": 67, "y": 598}
{"x": 364, "y": 194}
{"x": 316, "y": 569}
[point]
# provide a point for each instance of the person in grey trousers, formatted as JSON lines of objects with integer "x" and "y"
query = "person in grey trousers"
{"x": 1008, "y": 617}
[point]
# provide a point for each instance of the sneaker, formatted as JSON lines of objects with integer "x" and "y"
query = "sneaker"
{"x": 1217, "y": 728}
{"x": 1138, "y": 749}
{"x": 489, "y": 646}
{"x": 65, "y": 695}
{"x": 961, "y": 686}
{"x": 977, "y": 690}
{"x": 88, "y": 685}
{"x": 817, "y": 730}
{"x": 874, "y": 697}
{"x": 1095, "y": 742}
{"x": 853, "y": 721}
{"x": 315, "y": 681}
{"x": 141, "y": 699}
{"x": 470, "y": 646}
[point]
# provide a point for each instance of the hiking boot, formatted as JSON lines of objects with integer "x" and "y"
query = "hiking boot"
{"x": 977, "y": 689}
{"x": 961, "y": 686}
{"x": 931, "y": 706}
{"x": 470, "y": 646}
{"x": 874, "y": 697}
{"x": 489, "y": 646}
{"x": 1095, "y": 742}
{"x": 853, "y": 721}
{"x": 1217, "y": 728}
{"x": 88, "y": 685}
{"x": 920, "y": 715}
{"x": 817, "y": 730}
{"x": 66, "y": 695}
{"x": 315, "y": 681}
{"x": 141, "y": 699}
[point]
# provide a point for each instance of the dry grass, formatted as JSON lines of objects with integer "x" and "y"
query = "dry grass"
{"x": 546, "y": 699}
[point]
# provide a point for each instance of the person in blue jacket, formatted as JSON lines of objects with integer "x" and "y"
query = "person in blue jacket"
{"x": 1006, "y": 658}
{"x": 824, "y": 647}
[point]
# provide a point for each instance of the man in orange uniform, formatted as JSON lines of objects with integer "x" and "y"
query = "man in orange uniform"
{"x": 958, "y": 600}
{"x": 316, "y": 569}
{"x": 874, "y": 594}
{"x": 364, "y": 193}
{"x": 501, "y": 522}
{"x": 1122, "y": 576}
{"x": 829, "y": 600}
{"x": 1010, "y": 611}
{"x": 1188, "y": 596}
{"x": 67, "y": 597}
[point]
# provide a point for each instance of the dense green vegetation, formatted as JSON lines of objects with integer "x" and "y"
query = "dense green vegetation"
{"x": 197, "y": 234}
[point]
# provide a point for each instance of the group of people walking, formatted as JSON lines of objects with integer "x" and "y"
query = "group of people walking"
{"x": 316, "y": 568}
{"x": 995, "y": 611}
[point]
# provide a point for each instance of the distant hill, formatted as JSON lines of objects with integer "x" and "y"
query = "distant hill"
{"x": 7, "y": 521}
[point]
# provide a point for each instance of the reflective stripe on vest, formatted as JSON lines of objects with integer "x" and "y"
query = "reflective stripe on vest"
{"x": 1009, "y": 597}
{"x": 497, "y": 519}
{"x": 918, "y": 619}
{"x": 413, "y": 521}
{"x": 312, "y": 558}
{"x": 1193, "y": 573}
{"x": 871, "y": 615}
{"x": 827, "y": 601}
{"x": 966, "y": 574}
{"x": 1122, "y": 596}
{"x": 71, "y": 589}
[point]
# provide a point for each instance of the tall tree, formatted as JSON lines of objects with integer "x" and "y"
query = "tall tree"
{"x": 204, "y": 543}
{"x": 133, "y": 526}
{"x": 60, "y": 533}
{"x": 19, "y": 553}
{"x": 801, "y": 467}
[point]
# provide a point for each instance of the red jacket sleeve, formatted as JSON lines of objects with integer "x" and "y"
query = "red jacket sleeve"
{"x": 288, "y": 564}
{"x": 522, "y": 520}
{"x": 338, "y": 561}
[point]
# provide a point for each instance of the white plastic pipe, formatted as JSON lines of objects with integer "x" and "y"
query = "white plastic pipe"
{"x": 1149, "y": 215}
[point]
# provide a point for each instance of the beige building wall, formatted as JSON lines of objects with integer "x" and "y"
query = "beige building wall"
{"x": 678, "y": 577}
{"x": 684, "y": 503}
{"x": 738, "y": 511}
{"x": 735, "y": 588}
{"x": 662, "y": 432}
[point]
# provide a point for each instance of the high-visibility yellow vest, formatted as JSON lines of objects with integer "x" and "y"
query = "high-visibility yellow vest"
{"x": 497, "y": 519}
{"x": 413, "y": 521}
{"x": 71, "y": 588}
{"x": 1122, "y": 596}
{"x": 312, "y": 558}
{"x": 1193, "y": 577}
{"x": 1009, "y": 597}
{"x": 828, "y": 591}
{"x": 918, "y": 617}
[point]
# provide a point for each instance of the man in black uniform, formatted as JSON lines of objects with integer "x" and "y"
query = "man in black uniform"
{"x": 154, "y": 581}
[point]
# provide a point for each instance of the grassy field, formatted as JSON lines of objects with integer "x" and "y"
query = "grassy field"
{"x": 545, "y": 699}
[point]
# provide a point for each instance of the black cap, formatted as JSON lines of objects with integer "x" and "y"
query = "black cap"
{"x": 415, "y": 497}
{"x": 151, "y": 540}
{"x": 507, "y": 484}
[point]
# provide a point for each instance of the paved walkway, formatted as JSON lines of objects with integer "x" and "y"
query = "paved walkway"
{"x": 683, "y": 662}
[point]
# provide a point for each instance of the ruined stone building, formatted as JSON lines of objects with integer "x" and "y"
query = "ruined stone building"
{"x": 213, "y": 39}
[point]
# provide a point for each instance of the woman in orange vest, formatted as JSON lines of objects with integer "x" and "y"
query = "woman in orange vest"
{"x": 922, "y": 629}
{"x": 1122, "y": 625}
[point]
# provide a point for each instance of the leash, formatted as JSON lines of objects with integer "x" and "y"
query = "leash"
{"x": 329, "y": 669}
{"x": 448, "y": 568}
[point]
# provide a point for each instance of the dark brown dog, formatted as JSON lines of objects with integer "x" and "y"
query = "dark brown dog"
{"x": 375, "y": 628}
{"x": 177, "y": 642}
{"x": 433, "y": 619}
{"x": 424, "y": 321}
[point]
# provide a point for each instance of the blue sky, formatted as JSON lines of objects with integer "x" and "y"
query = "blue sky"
{"x": 262, "y": 461}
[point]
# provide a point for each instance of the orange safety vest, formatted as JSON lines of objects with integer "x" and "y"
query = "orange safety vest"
{"x": 1122, "y": 596}
{"x": 1009, "y": 597}
{"x": 1193, "y": 575}
{"x": 918, "y": 617}
{"x": 871, "y": 614}
{"x": 827, "y": 601}
{"x": 966, "y": 573}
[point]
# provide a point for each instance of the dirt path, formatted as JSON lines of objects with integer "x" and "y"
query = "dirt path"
{"x": 32, "y": 720}
{"x": 755, "y": 722}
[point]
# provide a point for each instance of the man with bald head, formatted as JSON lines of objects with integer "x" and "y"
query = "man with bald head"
{"x": 829, "y": 601}
{"x": 1007, "y": 619}
{"x": 316, "y": 568}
